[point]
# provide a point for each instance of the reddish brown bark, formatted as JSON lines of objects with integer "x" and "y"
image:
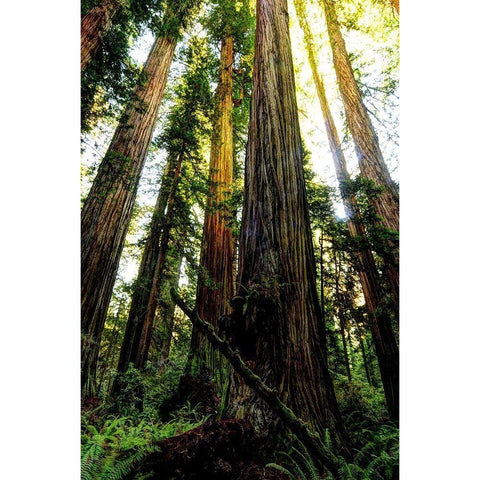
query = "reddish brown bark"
{"x": 372, "y": 164}
{"x": 108, "y": 208}
{"x": 95, "y": 23}
{"x": 383, "y": 335}
{"x": 279, "y": 309}
{"x": 215, "y": 285}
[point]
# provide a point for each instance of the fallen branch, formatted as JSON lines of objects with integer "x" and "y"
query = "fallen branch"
{"x": 311, "y": 440}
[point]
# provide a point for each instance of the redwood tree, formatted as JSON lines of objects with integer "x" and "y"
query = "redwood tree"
{"x": 108, "y": 209}
{"x": 277, "y": 313}
{"x": 379, "y": 319}
{"x": 372, "y": 164}
{"x": 215, "y": 286}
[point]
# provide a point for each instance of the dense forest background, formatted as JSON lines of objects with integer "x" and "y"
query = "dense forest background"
{"x": 164, "y": 391}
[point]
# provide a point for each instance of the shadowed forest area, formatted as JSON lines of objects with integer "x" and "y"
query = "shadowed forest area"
{"x": 240, "y": 239}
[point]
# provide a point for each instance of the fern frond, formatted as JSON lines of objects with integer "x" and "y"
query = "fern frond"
{"x": 281, "y": 469}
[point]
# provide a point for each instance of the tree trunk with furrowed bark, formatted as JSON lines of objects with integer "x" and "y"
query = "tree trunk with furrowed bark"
{"x": 382, "y": 332}
{"x": 108, "y": 209}
{"x": 95, "y": 23}
{"x": 277, "y": 312}
{"x": 215, "y": 285}
{"x": 372, "y": 164}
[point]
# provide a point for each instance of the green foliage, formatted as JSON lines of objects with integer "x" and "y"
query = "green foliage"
{"x": 112, "y": 451}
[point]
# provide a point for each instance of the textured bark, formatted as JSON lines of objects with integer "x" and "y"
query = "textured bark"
{"x": 159, "y": 273}
{"x": 143, "y": 285}
{"x": 277, "y": 304}
{"x": 383, "y": 335}
{"x": 269, "y": 397}
{"x": 215, "y": 283}
{"x": 95, "y": 23}
{"x": 372, "y": 164}
{"x": 108, "y": 209}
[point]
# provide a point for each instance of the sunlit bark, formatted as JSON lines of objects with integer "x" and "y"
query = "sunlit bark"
{"x": 383, "y": 335}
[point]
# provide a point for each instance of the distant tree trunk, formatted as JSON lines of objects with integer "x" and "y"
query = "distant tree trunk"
{"x": 143, "y": 285}
{"x": 384, "y": 338}
{"x": 276, "y": 309}
{"x": 111, "y": 347}
{"x": 159, "y": 272}
{"x": 108, "y": 209}
{"x": 95, "y": 23}
{"x": 364, "y": 355}
{"x": 372, "y": 164}
{"x": 166, "y": 318}
{"x": 215, "y": 283}
{"x": 341, "y": 316}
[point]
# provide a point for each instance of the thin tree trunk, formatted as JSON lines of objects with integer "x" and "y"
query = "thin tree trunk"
{"x": 95, "y": 23}
{"x": 372, "y": 164}
{"x": 108, "y": 209}
{"x": 384, "y": 338}
{"x": 364, "y": 356}
{"x": 167, "y": 318}
{"x": 277, "y": 310}
{"x": 143, "y": 285}
{"x": 111, "y": 346}
{"x": 215, "y": 283}
{"x": 341, "y": 316}
{"x": 159, "y": 273}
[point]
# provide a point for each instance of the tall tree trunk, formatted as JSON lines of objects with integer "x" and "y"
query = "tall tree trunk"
{"x": 215, "y": 283}
{"x": 159, "y": 272}
{"x": 372, "y": 164}
{"x": 143, "y": 285}
{"x": 383, "y": 335}
{"x": 166, "y": 317}
{"x": 111, "y": 347}
{"x": 396, "y": 5}
{"x": 95, "y": 23}
{"x": 364, "y": 355}
{"x": 278, "y": 318}
{"x": 341, "y": 315}
{"x": 108, "y": 209}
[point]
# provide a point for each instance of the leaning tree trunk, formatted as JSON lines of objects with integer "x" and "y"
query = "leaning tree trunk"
{"x": 108, "y": 208}
{"x": 382, "y": 331}
{"x": 276, "y": 310}
{"x": 95, "y": 23}
{"x": 143, "y": 285}
{"x": 372, "y": 164}
{"x": 215, "y": 285}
